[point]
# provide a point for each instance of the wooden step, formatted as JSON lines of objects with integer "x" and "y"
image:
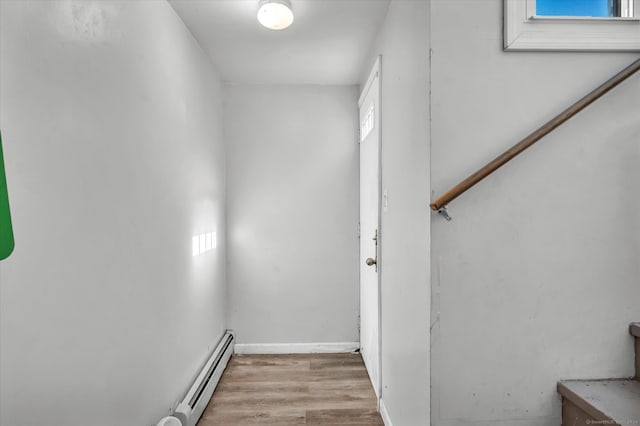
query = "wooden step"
{"x": 634, "y": 329}
{"x": 613, "y": 402}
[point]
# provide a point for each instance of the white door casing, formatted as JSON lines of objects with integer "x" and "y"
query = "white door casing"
{"x": 370, "y": 240}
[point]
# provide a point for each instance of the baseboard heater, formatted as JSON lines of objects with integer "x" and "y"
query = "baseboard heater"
{"x": 196, "y": 400}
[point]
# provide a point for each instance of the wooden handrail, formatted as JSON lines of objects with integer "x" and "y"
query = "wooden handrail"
{"x": 442, "y": 201}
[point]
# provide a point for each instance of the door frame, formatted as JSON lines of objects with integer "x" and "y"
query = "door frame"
{"x": 376, "y": 71}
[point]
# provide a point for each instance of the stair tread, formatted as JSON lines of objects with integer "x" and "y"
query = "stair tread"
{"x": 634, "y": 329}
{"x": 614, "y": 399}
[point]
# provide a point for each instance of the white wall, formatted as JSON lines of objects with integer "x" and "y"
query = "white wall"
{"x": 111, "y": 123}
{"x": 536, "y": 278}
{"x": 292, "y": 205}
{"x": 403, "y": 42}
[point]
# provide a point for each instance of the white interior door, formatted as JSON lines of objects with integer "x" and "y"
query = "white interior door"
{"x": 369, "y": 226}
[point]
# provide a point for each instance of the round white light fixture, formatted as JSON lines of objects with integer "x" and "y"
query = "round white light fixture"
{"x": 275, "y": 14}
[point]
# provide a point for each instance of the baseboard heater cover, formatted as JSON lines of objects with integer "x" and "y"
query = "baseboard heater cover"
{"x": 198, "y": 396}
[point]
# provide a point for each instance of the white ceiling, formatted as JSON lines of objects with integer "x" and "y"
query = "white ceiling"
{"x": 328, "y": 42}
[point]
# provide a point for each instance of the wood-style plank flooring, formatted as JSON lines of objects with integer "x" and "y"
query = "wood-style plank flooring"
{"x": 309, "y": 389}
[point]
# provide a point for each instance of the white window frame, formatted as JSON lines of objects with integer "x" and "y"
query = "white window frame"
{"x": 368, "y": 123}
{"x": 523, "y": 30}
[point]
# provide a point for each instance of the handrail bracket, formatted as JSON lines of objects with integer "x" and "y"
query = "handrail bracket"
{"x": 443, "y": 211}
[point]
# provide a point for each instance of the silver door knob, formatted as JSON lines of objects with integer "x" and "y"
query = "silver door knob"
{"x": 370, "y": 261}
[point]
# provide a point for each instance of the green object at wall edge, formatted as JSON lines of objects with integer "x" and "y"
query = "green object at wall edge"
{"x": 6, "y": 231}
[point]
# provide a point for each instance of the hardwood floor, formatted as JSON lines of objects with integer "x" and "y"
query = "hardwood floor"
{"x": 309, "y": 389}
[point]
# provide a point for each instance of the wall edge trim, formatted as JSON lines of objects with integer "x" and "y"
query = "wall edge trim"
{"x": 296, "y": 348}
{"x": 386, "y": 419}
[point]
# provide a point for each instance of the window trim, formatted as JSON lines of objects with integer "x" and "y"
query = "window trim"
{"x": 525, "y": 31}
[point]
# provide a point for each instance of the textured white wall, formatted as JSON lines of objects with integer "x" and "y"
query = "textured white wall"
{"x": 292, "y": 205}
{"x": 536, "y": 278}
{"x": 403, "y": 42}
{"x": 111, "y": 122}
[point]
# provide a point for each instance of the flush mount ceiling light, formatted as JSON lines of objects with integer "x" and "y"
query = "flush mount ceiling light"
{"x": 275, "y": 14}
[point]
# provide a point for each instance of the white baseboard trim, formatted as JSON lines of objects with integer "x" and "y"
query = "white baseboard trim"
{"x": 296, "y": 348}
{"x": 385, "y": 414}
